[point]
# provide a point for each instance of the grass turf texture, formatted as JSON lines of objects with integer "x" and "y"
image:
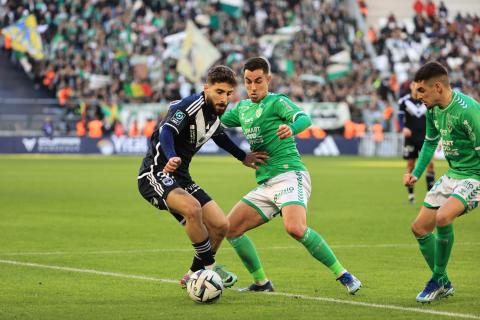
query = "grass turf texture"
{"x": 85, "y": 213}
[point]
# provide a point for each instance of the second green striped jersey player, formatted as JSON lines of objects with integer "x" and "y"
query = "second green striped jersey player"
{"x": 269, "y": 122}
{"x": 453, "y": 118}
{"x": 457, "y": 126}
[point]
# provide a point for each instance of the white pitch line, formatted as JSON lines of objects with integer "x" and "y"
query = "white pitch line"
{"x": 340, "y": 246}
{"x": 91, "y": 271}
{"x": 282, "y": 294}
{"x": 376, "y": 305}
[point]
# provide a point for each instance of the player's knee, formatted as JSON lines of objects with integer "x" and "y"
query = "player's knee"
{"x": 295, "y": 230}
{"x": 442, "y": 220}
{"x": 419, "y": 230}
{"x": 192, "y": 211}
{"x": 222, "y": 228}
{"x": 234, "y": 232}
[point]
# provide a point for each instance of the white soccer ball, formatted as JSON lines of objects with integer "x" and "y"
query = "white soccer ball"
{"x": 205, "y": 286}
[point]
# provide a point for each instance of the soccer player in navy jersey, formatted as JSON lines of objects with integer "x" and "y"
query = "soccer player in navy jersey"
{"x": 164, "y": 179}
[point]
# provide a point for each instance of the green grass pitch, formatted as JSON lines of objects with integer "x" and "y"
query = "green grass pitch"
{"x": 77, "y": 241}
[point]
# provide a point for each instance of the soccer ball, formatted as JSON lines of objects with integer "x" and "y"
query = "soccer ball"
{"x": 205, "y": 286}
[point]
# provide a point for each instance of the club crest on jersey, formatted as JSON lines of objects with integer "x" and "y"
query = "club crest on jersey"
{"x": 178, "y": 117}
{"x": 258, "y": 113}
{"x": 167, "y": 181}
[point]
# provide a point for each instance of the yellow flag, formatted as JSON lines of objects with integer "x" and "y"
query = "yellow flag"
{"x": 197, "y": 54}
{"x": 25, "y": 37}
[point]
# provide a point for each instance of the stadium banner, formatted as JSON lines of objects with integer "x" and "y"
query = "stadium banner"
{"x": 197, "y": 54}
{"x": 327, "y": 115}
{"x": 330, "y": 146}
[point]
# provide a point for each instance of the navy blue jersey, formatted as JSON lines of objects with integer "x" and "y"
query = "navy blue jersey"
{"x": 194, "y": 122}
{"x": 413, "y": 113}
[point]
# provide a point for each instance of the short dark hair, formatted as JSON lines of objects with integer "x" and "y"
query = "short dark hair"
{"x": 429, "y": 70}
{"x": 220, "y": 73}
{"x": 256, "y": 63}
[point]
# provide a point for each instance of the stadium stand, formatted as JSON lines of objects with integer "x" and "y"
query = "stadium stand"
{"x": 100, "y": 55}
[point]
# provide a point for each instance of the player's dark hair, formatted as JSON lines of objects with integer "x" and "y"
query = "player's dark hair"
{"x": 432, "y": 69}
{"x": 256, "y": 63}
{"x": 220, "y": 73}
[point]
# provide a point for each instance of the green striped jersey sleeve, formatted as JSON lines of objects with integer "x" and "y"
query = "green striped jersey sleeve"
{"x": 430, "y": 144}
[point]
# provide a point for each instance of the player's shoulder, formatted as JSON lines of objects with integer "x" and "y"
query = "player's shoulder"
{"x": 190, "y": 105}
{"x": 403, "y": 99}
{"x": 466, "y": 102}
{"x": 244, "y": 102}
{"x": 274, "y": 97}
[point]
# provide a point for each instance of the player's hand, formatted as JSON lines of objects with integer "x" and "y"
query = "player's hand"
{"x": 407, "y": 133}
{"x": 172, "y": 164}
{"x": 409, "y": 180}
{"x": 253, "y": 158}
{"x": 284, "y": 131}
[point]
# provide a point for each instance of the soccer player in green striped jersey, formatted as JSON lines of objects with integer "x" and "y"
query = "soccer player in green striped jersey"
{"x": 269, "y": 122}
{"x": 453, "y": 118}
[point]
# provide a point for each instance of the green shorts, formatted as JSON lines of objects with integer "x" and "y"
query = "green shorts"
{"x": 465, "y": 190}
{"x": 293, "y": 187}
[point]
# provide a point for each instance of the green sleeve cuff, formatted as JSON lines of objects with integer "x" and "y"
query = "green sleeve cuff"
{"x": 301, "y": 123}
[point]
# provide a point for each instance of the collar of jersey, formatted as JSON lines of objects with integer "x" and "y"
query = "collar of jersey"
{"x": 261, "y": 101}
{"x": 454, "y": 94}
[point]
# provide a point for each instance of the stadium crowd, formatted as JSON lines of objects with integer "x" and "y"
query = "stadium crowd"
{"x": 102, "y": 53}
{"x": 432, "y": 34}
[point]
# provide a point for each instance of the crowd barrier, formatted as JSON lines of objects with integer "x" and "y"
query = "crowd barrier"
{"x": 329, "y": 146}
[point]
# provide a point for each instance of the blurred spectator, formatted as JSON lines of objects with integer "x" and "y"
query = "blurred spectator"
{"x": 442, "y": 10}
{"x": 118, "y": 130}
{"x": 431, "y": 9}
{"x": 418, "y": 7}
{"x": 149, "y": 127}
{"x": 81, "y": 128}
{"x": 47, "y": 127}
{"x": 363, "y": 8}
{"x": 134, "y": 131}
{"x": 95, "y": 128}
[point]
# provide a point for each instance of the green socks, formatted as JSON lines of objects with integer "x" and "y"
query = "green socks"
{"x": 248, "y": 254}
{"x": 444, "y": 244}
{"x": 320, "y": 250}
{"x": 427, "y": 245}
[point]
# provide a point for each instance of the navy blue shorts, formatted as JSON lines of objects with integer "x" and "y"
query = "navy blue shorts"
{"x": 155, "y": 188}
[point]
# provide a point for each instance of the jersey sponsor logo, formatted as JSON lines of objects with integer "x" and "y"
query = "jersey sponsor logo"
{"x": 449, "y": 148}
{"x": 192, "y": 188}
{"x": 178, "y": 117}
{"x": 283, "y": 192}
{"x": 193, "y": 134}
{"x": 327, "y": 148}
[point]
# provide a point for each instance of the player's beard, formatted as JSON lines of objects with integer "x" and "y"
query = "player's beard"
{"x": 218, "y": 108}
